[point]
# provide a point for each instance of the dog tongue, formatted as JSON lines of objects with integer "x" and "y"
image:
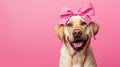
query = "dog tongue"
{"x": 77, "y": 44}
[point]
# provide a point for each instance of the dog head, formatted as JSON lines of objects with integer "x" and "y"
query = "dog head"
{"x": 76, "y": 32}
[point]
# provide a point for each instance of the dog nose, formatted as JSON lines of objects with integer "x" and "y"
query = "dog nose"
{"x": 77, "y": 33}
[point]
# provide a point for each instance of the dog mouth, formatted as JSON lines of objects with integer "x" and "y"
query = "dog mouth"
{"x": 79, "y": 44}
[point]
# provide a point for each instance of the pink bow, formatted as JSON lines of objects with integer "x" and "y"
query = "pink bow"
{"x": 84, "y": 12}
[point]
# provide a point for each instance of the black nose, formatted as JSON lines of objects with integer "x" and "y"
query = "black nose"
{"x": 77, "y": 33}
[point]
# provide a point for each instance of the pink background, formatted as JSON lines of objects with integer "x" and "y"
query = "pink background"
{"x": 27, "y": 38}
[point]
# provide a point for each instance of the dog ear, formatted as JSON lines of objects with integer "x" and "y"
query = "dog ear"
{"x": 92, "y": 29}
{"x": 59, "y": 30}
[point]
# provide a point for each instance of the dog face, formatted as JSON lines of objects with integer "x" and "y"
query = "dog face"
{"x": 76, "y": 32}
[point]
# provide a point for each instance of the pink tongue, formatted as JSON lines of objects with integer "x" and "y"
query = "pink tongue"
{"x": 77, "y": 45}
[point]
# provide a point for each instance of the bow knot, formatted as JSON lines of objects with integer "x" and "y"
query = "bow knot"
{"x": 84, "y": 12}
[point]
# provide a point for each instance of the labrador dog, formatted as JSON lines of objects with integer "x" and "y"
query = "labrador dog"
{"x": 76, "y": 34}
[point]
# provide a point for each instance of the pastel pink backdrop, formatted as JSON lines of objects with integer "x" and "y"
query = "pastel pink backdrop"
{"x": 27, "y": 38}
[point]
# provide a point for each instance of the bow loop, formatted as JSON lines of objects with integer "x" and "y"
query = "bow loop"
{"x": 87, "y": 10}
{"x": 66, "y": 13}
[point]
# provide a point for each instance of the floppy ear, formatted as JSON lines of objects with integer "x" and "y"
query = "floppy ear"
{"x": 59, "y": 30}
{"x": 92, "y": 29}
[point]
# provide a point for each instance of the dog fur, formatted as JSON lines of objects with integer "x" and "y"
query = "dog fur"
{"x": 70, "y": 56}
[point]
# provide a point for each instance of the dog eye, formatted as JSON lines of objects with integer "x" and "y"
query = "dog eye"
{"x": 83, "y": 23}
{"x": 69, "y": 24}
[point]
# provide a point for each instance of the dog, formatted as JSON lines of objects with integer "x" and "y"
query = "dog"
{"x": 77, "y": 34}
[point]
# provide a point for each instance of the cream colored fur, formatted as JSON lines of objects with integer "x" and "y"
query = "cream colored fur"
{"x": 70, "y": 57}
{"x": 66, "y": 60}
